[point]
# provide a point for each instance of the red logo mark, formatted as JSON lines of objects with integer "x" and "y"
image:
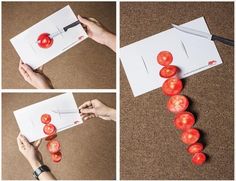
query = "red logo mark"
{"x": 212, "y": 62}
{"x": 81, "y": 37}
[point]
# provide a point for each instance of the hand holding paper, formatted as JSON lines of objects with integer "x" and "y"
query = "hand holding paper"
{"x": 26, "y": 43}
{"x": 36, "y": 78}
{"x": 96, "y": 108}
{"x": 29, "y": 118}
{"x": 98, "y": 32}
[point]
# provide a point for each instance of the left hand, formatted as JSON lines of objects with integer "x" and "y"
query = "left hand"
{"x": 35, "y": 77}
{"x": 30, "y": 151}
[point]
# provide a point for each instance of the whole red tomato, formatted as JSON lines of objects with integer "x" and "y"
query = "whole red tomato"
{"x": 44, "y": 40}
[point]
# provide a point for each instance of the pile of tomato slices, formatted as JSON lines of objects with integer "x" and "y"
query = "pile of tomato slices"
{"x": 53, "y": 145}
{"x": 178, "y": 105}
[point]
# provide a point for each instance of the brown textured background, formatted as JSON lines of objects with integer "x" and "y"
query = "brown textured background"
{"x": 89, "y": 150}
{"x": 150, "y": 145}
{"x": 86, "y": 65}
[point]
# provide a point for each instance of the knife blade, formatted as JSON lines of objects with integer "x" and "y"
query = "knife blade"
{"x": 69, "y": 111}
{"x": 64, "y": 29}
{"x": 66, "y": 111}
{"x": 204, "y": 35}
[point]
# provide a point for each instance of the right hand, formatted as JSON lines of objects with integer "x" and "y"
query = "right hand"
{"x": 96, "y": 108}
{"x": 35, "y": 77}
{"x": 98, "y": 32}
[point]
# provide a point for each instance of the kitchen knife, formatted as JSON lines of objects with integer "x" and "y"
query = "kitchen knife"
{"x": 204, "y": 35}
{"x": 69, "y": 111}
{"x": 65, "y": 29}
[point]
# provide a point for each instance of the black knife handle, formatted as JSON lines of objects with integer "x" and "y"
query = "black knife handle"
{"x": 223, "y": 40}
{"x": 71, "y": 25}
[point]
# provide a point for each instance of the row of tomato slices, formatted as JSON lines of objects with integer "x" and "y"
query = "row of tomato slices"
{"x": 178, "y": 104}
{"x": 53, "y": 146}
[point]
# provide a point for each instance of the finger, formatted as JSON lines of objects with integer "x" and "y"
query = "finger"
{"x": 88, "y": 110}
{"x": 24, "y": 141}
{"x": 19, "y": 141}
{"x": 94, "y": 20}
{"x": 85, "y": 105}
{"x": 40, "y": 69}
{"x": 20, "y": 63}
{"x": 88, "y": 117}
{"x": 24, "y": 74}
{"x": 84, "y": 20}
{"x": 28, "y": 69}
{"x": 37, "y": 143}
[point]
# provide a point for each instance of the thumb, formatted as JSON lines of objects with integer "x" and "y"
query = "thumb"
{"x": 88, "y": 111}
{"x": 84, "y": 20}
{"x": 37, "y": 143}
{"x": 40, "y": 69}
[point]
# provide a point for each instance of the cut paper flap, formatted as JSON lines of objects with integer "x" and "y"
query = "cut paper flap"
{"x": 192, "y": 54}
{"x": 29, "y": 118}
{"x": 26, "y": 44}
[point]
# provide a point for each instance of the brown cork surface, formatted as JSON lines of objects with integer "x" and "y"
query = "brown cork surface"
{"x": 88, "y": 150}
{"x": 86, "y": 65}
{"x": 150, "y": 145}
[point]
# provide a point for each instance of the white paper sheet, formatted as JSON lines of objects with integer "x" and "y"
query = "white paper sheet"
{"x": 140, "y": 64}
{"x": 29, "y": 118}
{"x": 26, "y": 45}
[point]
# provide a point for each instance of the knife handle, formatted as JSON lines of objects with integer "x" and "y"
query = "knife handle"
{"x": 71, "y": 25}
{"x": 223, "y": 40}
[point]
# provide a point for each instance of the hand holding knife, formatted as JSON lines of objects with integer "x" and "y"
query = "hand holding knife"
{"x": 204, "y": 35}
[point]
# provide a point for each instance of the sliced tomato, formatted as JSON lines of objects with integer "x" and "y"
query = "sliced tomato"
{"x": 190, "y": 136}
{"x": 44, "y": 40}
{"x": 168, "y": 71}
{"x": 195, "y": 148}
{"x": 177, "y": 103}
{"x": 51, "y": 137}
{"x": 164, "y": 58}
{"x": 46, "y": 118}
{"x": 53, "y": 146}
{"x": 172, "y": 86}
{"x": 49, "y": 129}
{"x": 56, "y": 157}
{"x": 184, "y": 120}
{"x": 199, "y": 158}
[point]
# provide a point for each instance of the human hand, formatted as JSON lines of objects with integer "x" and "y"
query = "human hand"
{"x": 98, "y": 32}
{"x": 30, "y": 151}
{"x": 96, "y": 108}
{"x": 35, "y": 77}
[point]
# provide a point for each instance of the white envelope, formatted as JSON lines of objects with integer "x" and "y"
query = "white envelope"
{"x": 29, "y": 118}
{"x": 192, "y": 54}
{"x": 26, "y": 45}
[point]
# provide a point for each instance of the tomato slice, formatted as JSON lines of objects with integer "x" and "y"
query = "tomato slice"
{"x": 168, "y": 71}
{"x": 164, "y": 58}
{"x": 56, "y": 157}
{"x": 44, "y": 40}
{"x": 177, "y": 103}
{"x": 46, "y": 118}
{"x": 184, "y": 120}
{"x": 51, "y": 137}
{"x": 172, "y": 86}
{"x": 199, "y": 158}
{"x": 190, "y": 136}
{"x": 49, "y": 129}
{"x": 53, "y": 146}
{"x": 195, "y": 148}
